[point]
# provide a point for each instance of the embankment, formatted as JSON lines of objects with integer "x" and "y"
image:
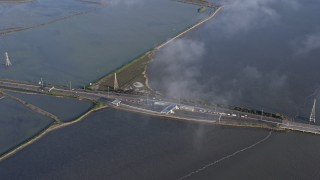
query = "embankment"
{"x": 18, "y": 29}
{"x": 241, "y": 124}
{"x": 189, "y": 29}
{"x": 57, "y": 124}
{"x": 136, "y": 70}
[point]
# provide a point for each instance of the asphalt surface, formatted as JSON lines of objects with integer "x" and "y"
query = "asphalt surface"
{"x": 147, "y": 103}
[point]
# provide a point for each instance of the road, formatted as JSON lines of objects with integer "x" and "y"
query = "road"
{"x": 64, "y": 91}
{"x": 146, "y": 105}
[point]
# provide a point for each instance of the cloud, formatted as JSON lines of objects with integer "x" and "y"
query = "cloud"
{"x": 251, "y": 72}
{"x": 221, "y": 66}
{"x": 178, "y": 65}
{"x": 183, "y": 70}
{"x": 277, "y": 81}
{"x": 244, "y": 15}
{"x": 308, "y": 43}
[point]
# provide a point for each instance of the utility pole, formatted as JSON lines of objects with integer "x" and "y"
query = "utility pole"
{"x": 41, "y": 82}
{"x": 313, "y": 112}
{"x": 261, "y": 113}
{"x": 115, "y": 85}
{"x": 70, "y": 85}
{"x": 7, "y": 61}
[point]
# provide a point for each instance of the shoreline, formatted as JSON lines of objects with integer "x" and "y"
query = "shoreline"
{"x": 205, "y": 121}
{"x": 143, "y": 60}
{"x": 147, "y": 57}
{"x": 174, "y": 38}
{"x": 54, "y": 125}
{"x": 213, "y": 14}
{"x": 43, "y": 132}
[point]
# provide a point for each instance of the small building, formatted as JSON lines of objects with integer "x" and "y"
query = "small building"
{"x": 169, "y": 109}
{"x": 187, "y": 108}
{"x": 116, "y": 102}
{"x": 161, "y": 103}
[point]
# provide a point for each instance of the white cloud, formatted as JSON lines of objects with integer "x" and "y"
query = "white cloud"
{"x": 243, "y": 15}
{"x": 251, "y": 72}
{"x": 179, "y": 64}
{"x": 307, "y": 44}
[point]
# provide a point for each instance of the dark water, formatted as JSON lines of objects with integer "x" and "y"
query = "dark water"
{"x": 66, "y": 109}
{"x": 18, "y": 123}
{"x": 256, "y": 53}
{"x": 119, "y": 145}
{"x": 84, "y": 48}
{"x": 283, "y": 156}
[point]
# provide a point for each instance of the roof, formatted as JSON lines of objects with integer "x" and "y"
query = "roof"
{"x": 116, "y": 101}
{"x": 169, "y": 108}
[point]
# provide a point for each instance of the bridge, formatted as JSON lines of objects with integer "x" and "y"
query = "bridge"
{"x": 135, "y": 103}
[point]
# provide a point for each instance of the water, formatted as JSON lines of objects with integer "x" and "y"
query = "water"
{"x": 260, "y": 54}
{"x": 24, "y": 15}
{"x": 255, "y": 54}
{"x": 283, "y": 156}
{"x": 121, "y": 145}
{"x": 84, "y": 48}
{"x": 18, "y": 124}
{"x": 66, "y": 109}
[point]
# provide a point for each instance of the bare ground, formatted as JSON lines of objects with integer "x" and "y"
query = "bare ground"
{"x": 131, "y": 77}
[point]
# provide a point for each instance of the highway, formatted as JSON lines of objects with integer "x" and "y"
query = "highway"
{"x": 64, "y": 91}
{"x": 146, "y": 105}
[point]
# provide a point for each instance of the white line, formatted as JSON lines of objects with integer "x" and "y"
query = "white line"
{"x": 226, "y": 157}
